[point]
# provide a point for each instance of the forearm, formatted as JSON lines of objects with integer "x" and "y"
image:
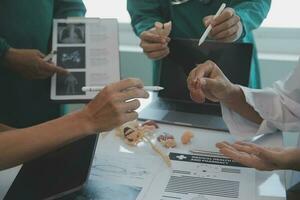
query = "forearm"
{"x": 20, "y": 145}
{"x": 237, "y": 102}
{"x": 293, "y": 159}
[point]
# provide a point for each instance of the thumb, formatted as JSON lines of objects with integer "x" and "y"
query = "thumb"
{"x": 209, "y": 84}
{"x": 209, "y": 88}
{"x": 168, "y": 28}
{"x": 158, "y": 25}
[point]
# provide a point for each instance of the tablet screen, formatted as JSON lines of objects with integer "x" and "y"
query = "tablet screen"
{"x": 234, "y": 59}
{"x": 55, "y": 174}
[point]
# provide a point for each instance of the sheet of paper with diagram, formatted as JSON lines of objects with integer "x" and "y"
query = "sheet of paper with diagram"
{"x": 88, "y": 48}
{"x": 203, "y": 177}
{"x": 119, "y": 176}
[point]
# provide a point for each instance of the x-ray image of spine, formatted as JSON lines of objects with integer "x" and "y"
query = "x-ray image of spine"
{"x": 70, "y": 83}
{"x": 73, "y": 57}
{"x": 72, "y": 33}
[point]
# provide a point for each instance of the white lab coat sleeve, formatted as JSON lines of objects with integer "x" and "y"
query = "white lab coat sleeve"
{"x": 279, "y": 106}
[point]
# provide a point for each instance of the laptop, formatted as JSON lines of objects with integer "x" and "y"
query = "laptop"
{"x": 56, "y": 174}
{"x": 173, "y": 105}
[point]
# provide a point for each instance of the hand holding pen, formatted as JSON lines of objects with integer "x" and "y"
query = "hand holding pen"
{"x": 31, "y": 64}
{"x": 154, "y": 42}
{"x": 224, "y": 26}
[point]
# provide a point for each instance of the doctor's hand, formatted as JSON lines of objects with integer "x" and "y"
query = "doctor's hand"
{"x": 208, "y": 81}
{"x": 29, "y": 64}
{"x": 154, "y": 42}
{"x": 225, "y": 28}
{"x": 261, "y": 158}
{"x": 114, "y": 105}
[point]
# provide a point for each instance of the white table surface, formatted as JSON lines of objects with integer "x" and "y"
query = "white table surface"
{"x": 269, "y": 185}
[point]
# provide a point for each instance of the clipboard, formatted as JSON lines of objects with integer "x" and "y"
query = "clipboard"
{"x": 89, "y": 49}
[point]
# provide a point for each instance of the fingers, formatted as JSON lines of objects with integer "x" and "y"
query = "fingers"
{"x": 167, "y": 28}
{"x": 244, "y": 148}
{"x": 133, "y": 93}
{"x": 207, "y": 20}
{"x": 224, "y": 16}
{"x": 246, "y": 155}
{"x": 195, "y": 79}
{"x": 255, "y": 149}
{"x": 197, "y": 83}
{"x": 197, "y": 96}
{"x": 127, "y": 117}
{"x": 225, "y": 29}
{"x": 150, "y": 47}
{"x": 156, "y": 55}
{"x": 270, "y": 159}
{"x": 154, "y": 42}
{"x": 243, "y": 158}
{"x": 52, "y": 68}
{"x": 126, "y": 84}
{"x": 201, "y": 71}
{"x": 152, "y": 37}
{"x": 158, "y": 25}
{"x": 227, "y": 150}
{"x": 130, "y": 106}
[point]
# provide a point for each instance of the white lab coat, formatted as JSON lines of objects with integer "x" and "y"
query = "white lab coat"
{"x": 279, "y": 106}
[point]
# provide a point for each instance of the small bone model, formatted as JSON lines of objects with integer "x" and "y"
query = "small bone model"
{"x": 133, "y": 133}
{"x": 186, "y": 137}
{"x": 167, "y": 140}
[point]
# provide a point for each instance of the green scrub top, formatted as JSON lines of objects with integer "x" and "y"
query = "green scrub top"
{"x": 27, "y": 24}
{"x": 187, "y": 20}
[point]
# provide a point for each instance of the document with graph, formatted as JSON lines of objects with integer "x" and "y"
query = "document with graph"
{"x": 88, "y": 48}
{"x": 206, "y": 177}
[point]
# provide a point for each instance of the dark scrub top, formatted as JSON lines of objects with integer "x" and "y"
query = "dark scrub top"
{"x": 187, "y": 20}
{"x": 27, "y": 24}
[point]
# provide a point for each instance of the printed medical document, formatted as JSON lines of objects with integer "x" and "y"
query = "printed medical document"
{"x": 204, "y": 177}
{"x": 88, "y": 48}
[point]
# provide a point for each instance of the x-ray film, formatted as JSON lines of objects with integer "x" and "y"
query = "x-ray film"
{"x": 88, "y": 48}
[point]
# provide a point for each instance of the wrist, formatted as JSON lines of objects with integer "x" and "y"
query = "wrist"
{"x": 84, "y": 122}
{"x": 234, "y": 94}
{"x": 292, "y": 159}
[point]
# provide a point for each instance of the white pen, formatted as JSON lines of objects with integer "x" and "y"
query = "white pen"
{"x": 49, "y": 56}
{"x": 208, "y": 29}
{"x": 99, "y": 88}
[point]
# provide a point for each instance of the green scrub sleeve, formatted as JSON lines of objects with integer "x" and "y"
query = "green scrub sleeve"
{"x": 144, "y": 13}
{"x": 69, "y": 8}
{"x": 3, "y": 48}
{"x": 252, "y": 13}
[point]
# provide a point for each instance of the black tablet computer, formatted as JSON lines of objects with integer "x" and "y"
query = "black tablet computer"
{"x": 55, "y": 174}
{"x": 174, "y": 105}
